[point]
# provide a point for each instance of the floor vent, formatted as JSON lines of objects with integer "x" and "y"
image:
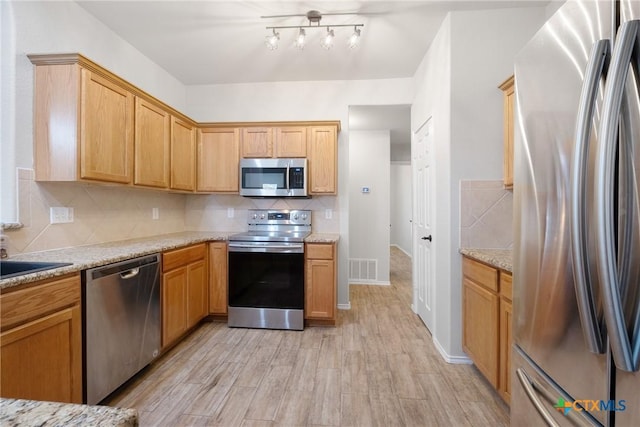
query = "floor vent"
{"x": 363, "y": 270}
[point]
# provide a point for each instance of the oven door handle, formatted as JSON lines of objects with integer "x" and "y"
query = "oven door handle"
{"x": 293, "y": 248}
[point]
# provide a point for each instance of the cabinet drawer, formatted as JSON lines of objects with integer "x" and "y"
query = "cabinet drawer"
{"x": 480, "y": 273}
{"x": 506, "y": 284}
{"x": 45, "y": 297}
{"x": 182, "y": 257}
{"x": 319, "y": 251}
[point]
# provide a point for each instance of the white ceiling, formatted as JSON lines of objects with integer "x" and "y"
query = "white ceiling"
{"x": 217, "y": 42}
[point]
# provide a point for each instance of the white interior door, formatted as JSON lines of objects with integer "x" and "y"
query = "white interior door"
{"x": 423, "y": 265}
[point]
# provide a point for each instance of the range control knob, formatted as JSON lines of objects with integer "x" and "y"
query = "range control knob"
{"x": 304, "y": 216}
{"x": 261, "y": 216}
{"x": 255, "y": 216}
{"x": 295, "y": 216}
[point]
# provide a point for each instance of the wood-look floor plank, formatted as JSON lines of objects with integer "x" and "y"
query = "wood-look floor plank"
{"x": 377, "y": 367}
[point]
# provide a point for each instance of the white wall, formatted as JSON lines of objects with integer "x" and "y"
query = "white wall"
{"x": 457, "y": 85}
{"x": 59, "y": 27}
{"x": 316, "y": 100}
{"x": 401, "y": 206}
{"x": 369, "y": 213}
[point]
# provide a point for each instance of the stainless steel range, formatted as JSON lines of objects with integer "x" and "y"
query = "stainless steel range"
{"x": 266, "y": 270}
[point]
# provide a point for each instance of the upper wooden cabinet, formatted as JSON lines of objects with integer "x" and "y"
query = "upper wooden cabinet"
{"x": 257, "y": 142}
{"x": 218, "y": 160}
{"x": 323, "y": 159}
{"x": 152, "y": 142}
{"x": 291, "y": 141}
{"x": 83, "y": 125}
{"x": 507, "y": 88}
{"x": 183, "y": 155}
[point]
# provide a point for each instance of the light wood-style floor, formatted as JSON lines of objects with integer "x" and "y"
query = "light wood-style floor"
{"x": 378, "y": 367}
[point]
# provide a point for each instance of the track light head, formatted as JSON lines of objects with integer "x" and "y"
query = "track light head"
{"x": 272, "y": 40}
{"x": 327, "y": 40}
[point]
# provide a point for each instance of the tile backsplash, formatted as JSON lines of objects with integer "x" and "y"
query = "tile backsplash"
{"x": 101, "y": 214}
{"x": 486, "y": 215}
{"x": 108, "y": 213}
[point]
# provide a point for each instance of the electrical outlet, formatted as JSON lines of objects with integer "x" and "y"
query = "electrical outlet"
{"x": 328, "y": 213}
{"x": 60, "y": 215}
{"x": 155, "y": 213}
{"x": 230, "y": 212}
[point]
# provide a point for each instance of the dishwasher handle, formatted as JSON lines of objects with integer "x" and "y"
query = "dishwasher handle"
{"x": 130, "y": 274}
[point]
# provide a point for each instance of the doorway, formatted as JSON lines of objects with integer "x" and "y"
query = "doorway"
{"x": 379, "y": 151}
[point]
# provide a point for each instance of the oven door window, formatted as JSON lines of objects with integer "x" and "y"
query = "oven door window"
{"x": 266, "y": 280}
{"x": 259, "y": 178}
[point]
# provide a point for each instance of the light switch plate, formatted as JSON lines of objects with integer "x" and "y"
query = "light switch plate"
{"x": 328, "y": 213}
{"x": 155, "y": 213}
{"x": 230, "y": 212}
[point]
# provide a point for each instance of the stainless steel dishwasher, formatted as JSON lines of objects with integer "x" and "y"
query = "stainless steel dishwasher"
{"x": 121, "y": 313}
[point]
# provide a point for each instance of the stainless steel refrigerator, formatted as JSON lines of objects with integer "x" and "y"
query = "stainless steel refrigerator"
{"x": 576, "y": 212}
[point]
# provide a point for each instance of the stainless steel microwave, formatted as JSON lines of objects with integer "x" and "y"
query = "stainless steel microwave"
{"x": 273, "y": 177}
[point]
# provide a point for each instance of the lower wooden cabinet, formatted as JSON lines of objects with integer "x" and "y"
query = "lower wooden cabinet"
{"x": 185, "y": 291}
{"x": 487, "y": 317}
{"x": 320, "y": 283}
{"x": 41, "y": 341}
{"x": 218, "y": 278}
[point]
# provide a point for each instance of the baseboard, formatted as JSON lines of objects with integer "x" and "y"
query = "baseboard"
{"x": 370, "y": 282}
{"x": 346, "y": 306}
{"x": 401, "y": 250}
{"x": 455, "y": 360}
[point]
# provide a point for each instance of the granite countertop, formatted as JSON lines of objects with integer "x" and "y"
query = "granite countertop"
{"x": 322, "y": 238}
{"x": 499, "y": 258}
{"x": 89, "y": 256}
{"x": 18, "y": 412}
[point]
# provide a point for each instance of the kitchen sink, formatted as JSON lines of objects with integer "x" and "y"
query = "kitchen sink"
{"x": 18, "y": 268}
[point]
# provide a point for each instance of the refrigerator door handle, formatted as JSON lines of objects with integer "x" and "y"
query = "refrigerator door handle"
{"x": 527, "y": 385}
{"x": 626, "y": 357}
{"x": 587, "y": 307}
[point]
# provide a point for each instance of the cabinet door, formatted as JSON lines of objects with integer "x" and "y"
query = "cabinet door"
{"x": 218, "y": 278}
{"x": 257, "y": 142}
{"x": 42, "y": 359}
{"x": 106, "y": 130}
{"x": 508, "y": 124}
{"x": 151, "y": 145}
{"x": 480, "y": 328}
{"x": 183, "y": 155}
{"x": 219, "y": 160}
{"x": 320, "y": 298}
{"x": 291, "y": 142}
{"x": 174, "y": 304}
{"x": 198, "y": 293}
{"x": 505, "y": 348}
{"x": 322, "y": 160}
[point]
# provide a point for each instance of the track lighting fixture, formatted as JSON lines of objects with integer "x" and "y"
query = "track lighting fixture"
{"x": 301, "y": 39}
{"x": 314, "y": 18}
{"x": 272, "y": 40}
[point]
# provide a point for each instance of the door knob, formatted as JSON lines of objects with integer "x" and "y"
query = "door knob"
{"x": 427, "y": 238}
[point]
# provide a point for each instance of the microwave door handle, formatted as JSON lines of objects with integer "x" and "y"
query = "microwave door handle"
{"x": 288, "y": 165}
{"x": 583, "y": 276}
{"x": 625, "y": 357}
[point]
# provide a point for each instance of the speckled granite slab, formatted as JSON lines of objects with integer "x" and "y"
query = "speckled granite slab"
{"x": 499, "y": 258}
{"x": 31, "y": 413}
{"x": 322, "y": 238}
{"x": 84, "y": 257}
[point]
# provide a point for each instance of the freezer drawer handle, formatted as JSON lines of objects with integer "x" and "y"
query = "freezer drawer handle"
{"x": 591, "y": 325}
{"x": 625, "y": 354}
{"x": 531, "y": 393}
